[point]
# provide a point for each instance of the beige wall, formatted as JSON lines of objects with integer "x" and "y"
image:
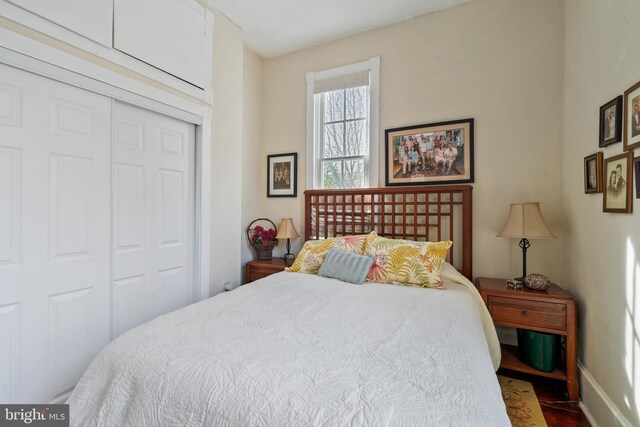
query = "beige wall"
{"x": 251, "y": 138}
{"x": 602, "y": 59}
{"x": 498, "y": 61}
{"x": 226, "y": 153}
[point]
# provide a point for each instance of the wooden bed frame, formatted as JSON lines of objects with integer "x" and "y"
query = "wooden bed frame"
{"x": 414, "y": 213}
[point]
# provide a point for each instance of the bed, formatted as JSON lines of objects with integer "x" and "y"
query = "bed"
{"x": 300, "y": 349}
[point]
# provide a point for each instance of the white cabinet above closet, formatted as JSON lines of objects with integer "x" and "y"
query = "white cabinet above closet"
{"x": 167, "y": 41}
{"x": 168, "y": 34}
{"x": 92, "y": 19}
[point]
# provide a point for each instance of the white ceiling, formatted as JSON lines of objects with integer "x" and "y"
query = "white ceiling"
{"x": 273, "y": 28}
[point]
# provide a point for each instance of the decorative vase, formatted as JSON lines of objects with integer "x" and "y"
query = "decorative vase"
{"x": 289, "y": 259}
{"x": 264, "y": 252}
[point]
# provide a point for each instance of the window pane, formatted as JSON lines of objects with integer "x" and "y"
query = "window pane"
{"x": 332, "y": 174}
{"x": 356, "y": 138}
{"x": 333, "y": 141}
{"x": 356, "y": 102}
{"x": 353, "y": 174}
{"x": 334, "y": 106}
{"x": 344, "y": 138}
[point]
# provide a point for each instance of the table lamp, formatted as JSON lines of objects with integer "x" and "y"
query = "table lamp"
{"x": 525, "y": 222}
{"x": 287, "y": 231}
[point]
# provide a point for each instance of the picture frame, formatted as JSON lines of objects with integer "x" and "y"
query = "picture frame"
{"x": 632, "y": 117}
{"x": 593, "y": 173}
{"x": 610, "y": 130}
{"x": 636, "y": 175}
{"x": 617, "y": 171}
{"x": 430, "y": 154}
{"x": 282, "y": 175}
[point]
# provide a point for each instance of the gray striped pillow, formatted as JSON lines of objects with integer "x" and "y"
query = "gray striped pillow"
{"x": 346, "y": 266}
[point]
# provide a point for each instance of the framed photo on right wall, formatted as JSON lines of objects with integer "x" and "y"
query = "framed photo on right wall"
{"x": 611, "y": 122}
{"x": 593, "y": 173}
{"x": 636, "y": 175}
{"x": 618, "y": 183}
{"x": 632, "y": 117}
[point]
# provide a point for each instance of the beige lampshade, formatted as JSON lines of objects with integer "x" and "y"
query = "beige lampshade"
{"x": 525, "y": 220}
{"x": 287, "y": 230}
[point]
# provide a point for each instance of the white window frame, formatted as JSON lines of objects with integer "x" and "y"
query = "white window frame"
{"x": 372, "y": 163}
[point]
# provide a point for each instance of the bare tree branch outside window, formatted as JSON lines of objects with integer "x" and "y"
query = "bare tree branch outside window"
{"x": 345, "y": 139}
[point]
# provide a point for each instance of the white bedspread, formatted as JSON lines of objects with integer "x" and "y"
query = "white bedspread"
{"x": 295, "y": 349}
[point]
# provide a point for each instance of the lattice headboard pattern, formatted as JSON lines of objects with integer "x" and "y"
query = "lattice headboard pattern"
{"x": 414, "y": 213}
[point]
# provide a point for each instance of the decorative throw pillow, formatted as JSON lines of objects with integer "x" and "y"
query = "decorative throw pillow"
{"x": 406, "y": 262}
{"x": 346, "y": 266}
{"x": 313, "y": 252}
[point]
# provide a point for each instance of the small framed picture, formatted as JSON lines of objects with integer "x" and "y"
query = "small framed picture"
{"x": 636, "y": 175}
{"x": 593, "y": 173}
{"x": 282, "y": 175}
{"x": 632, "y": 117}
{"x": 433, "y": 153}
{"x": 617, "y": 173}
{"x": 611, "y": 122}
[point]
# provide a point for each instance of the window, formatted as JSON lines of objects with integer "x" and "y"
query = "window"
{"x": 344, "y": 137}
{"x": 342, "y": 126}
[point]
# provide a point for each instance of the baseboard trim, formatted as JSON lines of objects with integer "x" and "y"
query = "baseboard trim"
{"x": 596, "y": 404}
{"x": 587, "y": 414}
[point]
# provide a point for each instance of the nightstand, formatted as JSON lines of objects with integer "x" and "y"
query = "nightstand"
{"x": 255, "y": 270}
{"x": 552, "y": 311}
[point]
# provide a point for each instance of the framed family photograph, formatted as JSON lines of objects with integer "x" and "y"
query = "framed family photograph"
{"x": 593, "y": 173}
{"x": 617, "y": 174}
{"x": 632, "y": 117}
{"x": 433, "y": 153}
{"x": 611, "y": 122}
{"x": 282, "y": 175}
{"x": 636, "y": 175}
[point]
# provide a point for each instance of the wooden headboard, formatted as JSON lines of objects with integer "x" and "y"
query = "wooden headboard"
{"x": 414, "y": 213}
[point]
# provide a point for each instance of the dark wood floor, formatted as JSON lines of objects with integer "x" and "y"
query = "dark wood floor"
{"x": 557, "y": 409}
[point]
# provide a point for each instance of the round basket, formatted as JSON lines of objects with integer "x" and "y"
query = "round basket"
{"x": 264, "y": 251}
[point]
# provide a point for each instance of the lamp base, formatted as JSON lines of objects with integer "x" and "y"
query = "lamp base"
{"x": 519, "y": 279}
{"x": 524, "y": 244}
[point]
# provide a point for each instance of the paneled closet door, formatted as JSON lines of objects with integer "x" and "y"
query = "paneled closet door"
{"x": 54, "y": 234}
{"x": 153, "y": 193}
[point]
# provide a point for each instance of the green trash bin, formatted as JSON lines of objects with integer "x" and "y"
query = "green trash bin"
{"x": 537, "y": 349}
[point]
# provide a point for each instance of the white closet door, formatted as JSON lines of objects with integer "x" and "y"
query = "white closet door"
{"x": 54, "y": 234}
{"x": 153, "y": 188}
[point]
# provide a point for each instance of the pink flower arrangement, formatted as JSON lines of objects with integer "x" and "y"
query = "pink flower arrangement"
{"x": 262, "y": 236}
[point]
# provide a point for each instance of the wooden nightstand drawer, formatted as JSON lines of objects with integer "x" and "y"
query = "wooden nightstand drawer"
{"x": 528, "y": 313}
{"x": 259, "y": 273}
{"x": 258, "y": 269}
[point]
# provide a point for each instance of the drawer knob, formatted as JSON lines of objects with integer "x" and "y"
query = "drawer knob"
{"x": 525, "y": 313}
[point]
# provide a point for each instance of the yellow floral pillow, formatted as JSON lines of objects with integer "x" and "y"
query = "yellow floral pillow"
{"x": 406, "y": 262}
{"x": 313, "y": 252}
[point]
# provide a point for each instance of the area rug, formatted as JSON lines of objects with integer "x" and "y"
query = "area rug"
{"x": 522, "y": 404}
